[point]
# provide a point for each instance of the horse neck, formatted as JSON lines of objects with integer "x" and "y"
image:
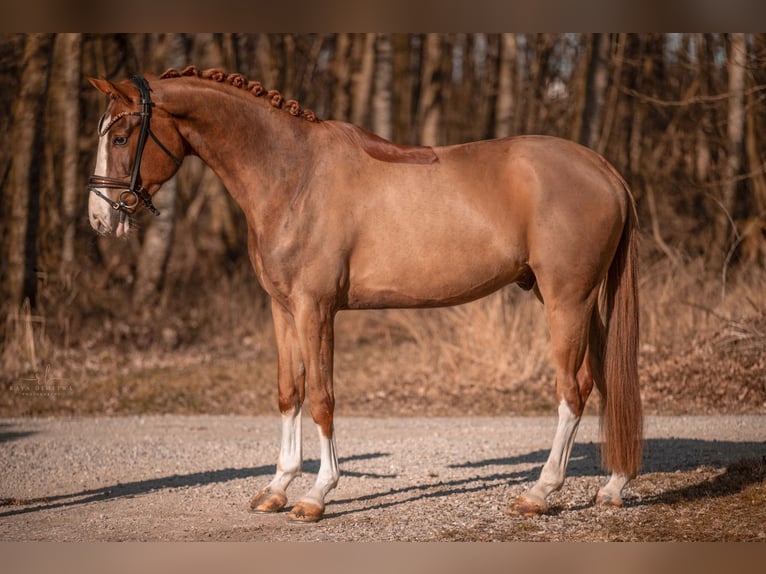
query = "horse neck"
{"x": 258, "y": 151}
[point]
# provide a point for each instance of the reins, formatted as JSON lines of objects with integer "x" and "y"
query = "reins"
{"x": 131, "y": 194}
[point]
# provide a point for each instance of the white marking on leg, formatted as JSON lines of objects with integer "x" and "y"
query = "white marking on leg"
{"x": 611, "y": 492}
{"x": 290, "y": 452}
{"x": 552, "y": 475}
{"x": 329, "y": 472}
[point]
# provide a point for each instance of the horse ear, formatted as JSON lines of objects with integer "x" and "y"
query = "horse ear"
{"x": 114, "y": 91}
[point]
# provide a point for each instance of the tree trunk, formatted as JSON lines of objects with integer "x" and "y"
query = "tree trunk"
{"x": 610, "y": 109}
{"x": 362, "y": 80}
{"x": 453, "y": 120}
{"x": 754, "y": 161}
{"x": 381, "y": 98}
{"x": 267, "y": 63}
{"x": 485, "y": 50}
{"x": 288, "y": 83}
{"x": 595, "y": 91}
{"x": 520, "y": 91}
{"x": 71, "y": 47}
{"x": 429, "y": 105}
{"x": 538, "y": 74}
{"x": 735, "y": 130}
{"x": 24, "y": 176}
{"x": 402, "y": 89}
{"x": 505, "y": 90}
{"x": 704, "y": 128}
{"x": 340, "y": 102}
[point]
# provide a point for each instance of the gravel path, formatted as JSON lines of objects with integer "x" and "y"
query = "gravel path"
{"x": 191, "y": 477}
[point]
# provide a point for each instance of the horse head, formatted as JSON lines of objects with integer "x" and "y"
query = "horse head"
{"x": 139, "y": 149}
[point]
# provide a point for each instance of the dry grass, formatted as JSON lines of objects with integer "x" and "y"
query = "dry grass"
{"x": 25, "y": 342}
{"x": 489, "y": 356}
{"x": 701, "y": 352}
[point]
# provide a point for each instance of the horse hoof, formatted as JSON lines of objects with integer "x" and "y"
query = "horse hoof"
{"x": 268, "y": 501}
{"x": 305, "y": 512}
{"x": 606, "y": 499}
{"x": 527, "y": 507}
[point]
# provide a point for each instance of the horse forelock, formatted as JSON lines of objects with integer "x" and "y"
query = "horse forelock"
{"x": 241, "y": 82}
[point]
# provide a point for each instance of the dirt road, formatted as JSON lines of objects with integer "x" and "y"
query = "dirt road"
{"x": 406, "y": 479}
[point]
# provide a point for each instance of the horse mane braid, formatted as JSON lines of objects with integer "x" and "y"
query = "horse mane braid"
{"x": 239, "y": 81}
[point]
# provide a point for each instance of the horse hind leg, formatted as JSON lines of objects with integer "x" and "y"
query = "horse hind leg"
{"x": 611, "y": 493}
{"x": 574, "y": 382}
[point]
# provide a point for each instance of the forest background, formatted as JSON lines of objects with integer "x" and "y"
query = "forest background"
{"x": 172, "y": 319}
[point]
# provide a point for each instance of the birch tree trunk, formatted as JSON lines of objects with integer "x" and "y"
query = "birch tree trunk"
{"x": 24, "y": 177}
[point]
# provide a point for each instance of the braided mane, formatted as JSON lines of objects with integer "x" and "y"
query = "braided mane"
{"x": 239, "y": 81}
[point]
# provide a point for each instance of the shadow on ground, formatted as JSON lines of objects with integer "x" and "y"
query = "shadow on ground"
{"x": 744, "y": 463}
{"x": 7, "y": 433}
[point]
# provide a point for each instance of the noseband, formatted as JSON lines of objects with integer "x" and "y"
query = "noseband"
{"x": 133, "y": 192}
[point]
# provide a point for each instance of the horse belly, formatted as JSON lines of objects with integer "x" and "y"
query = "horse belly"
{"x": 431, "y": 270}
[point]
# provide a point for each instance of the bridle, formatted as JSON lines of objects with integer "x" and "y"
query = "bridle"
{"x": 131, "y": 193}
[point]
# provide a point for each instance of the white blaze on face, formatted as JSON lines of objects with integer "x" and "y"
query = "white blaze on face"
{"x": 100, "y": 212}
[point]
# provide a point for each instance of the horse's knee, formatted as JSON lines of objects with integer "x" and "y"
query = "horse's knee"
{"x": 290, "y": 398}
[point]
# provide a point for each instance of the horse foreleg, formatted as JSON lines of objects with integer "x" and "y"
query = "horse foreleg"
{"x": 315, "y": 331}
{"x": 291, "y": 393}
{"x": 310, "y": 508}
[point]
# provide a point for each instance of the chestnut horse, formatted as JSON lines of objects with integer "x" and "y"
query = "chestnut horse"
{"x": 341, "y": 219}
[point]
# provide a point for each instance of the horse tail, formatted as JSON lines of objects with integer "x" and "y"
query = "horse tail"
{"x": 621, "y": 412}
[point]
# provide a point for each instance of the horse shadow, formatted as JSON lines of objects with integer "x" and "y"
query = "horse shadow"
{"x": 660, "y": 456}
{"x": 7, "y": 434}
{"x": 743, "y": 463}
{"x": 139, "y": 487}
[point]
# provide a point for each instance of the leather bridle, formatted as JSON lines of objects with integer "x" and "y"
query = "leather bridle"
{"x": 131, "y": 193}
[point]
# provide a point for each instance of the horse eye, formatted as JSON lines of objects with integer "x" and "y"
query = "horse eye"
{"x": 120, "y": 140}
